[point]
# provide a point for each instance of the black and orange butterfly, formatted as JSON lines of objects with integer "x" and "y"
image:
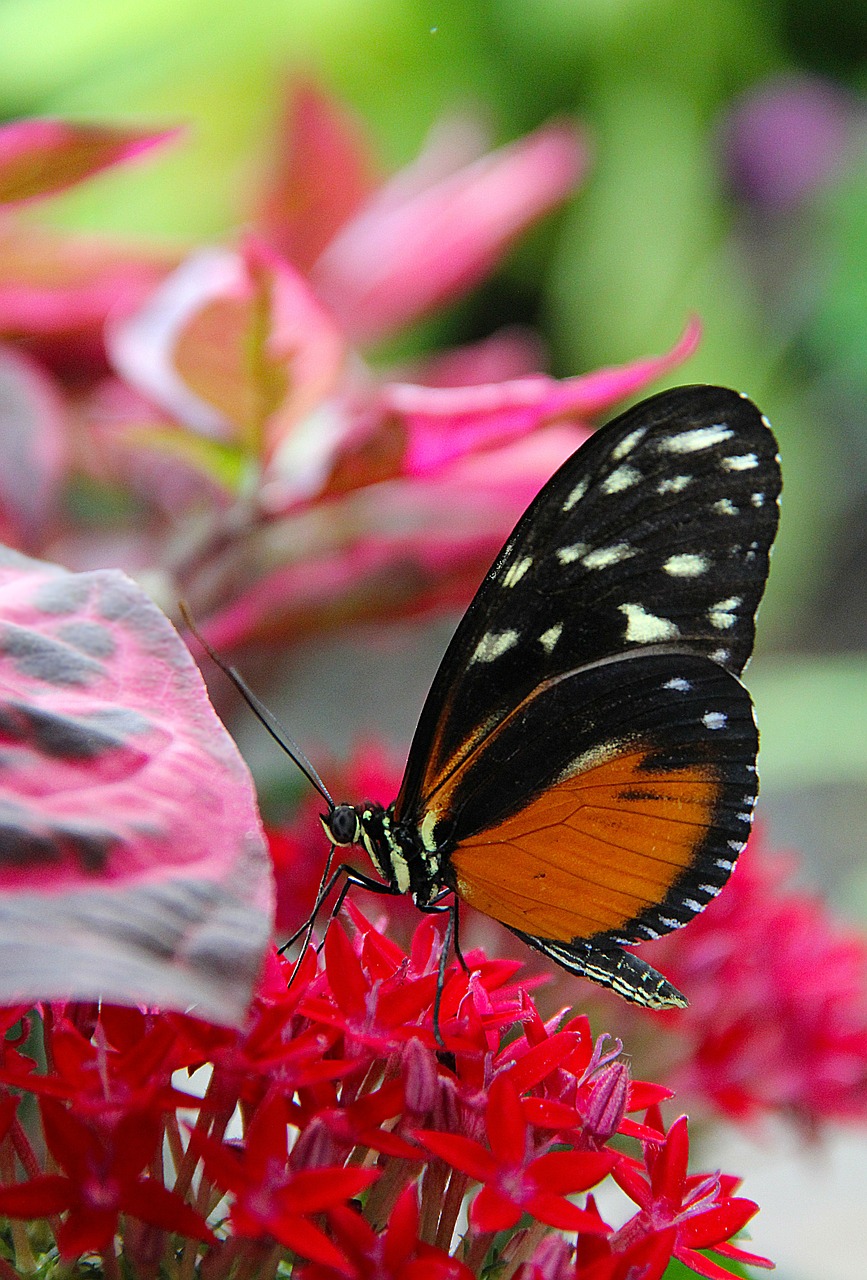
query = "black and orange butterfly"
{"x": 584, "y": 768}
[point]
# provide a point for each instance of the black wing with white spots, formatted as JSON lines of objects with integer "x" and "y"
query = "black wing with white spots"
{"x": 655, "y": 534}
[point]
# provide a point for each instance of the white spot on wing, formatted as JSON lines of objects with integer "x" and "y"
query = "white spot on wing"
{"x": 722, "y": 614}
{"x": 577, "y": 494}
{"x": 568, "y": 555}
{"x": 725, "y": 507}
{"x": 686, "y": 565}
{"x": 699, "y": 438}
{"x": 740, "y": 462}
{"x": 757, "y": 499}
{"x": 714, "y": 720}
{"x": 623, "y": 478}
{"x": 678, "y": 684}
{"x": 628, "y": 443}
{"x": 493, "y": 644}
{"x": 693, "y": 904}
{"x": 604, "y": 557}
{"x": 673, "y": 484}
{"x": 550, "y": 637}
{"x": 646, "y": 628}
{"x": 725, "y": 864}
{"x": 516, "y": 571}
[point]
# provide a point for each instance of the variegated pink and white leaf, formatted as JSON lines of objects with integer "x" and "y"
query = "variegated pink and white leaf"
{"x": 133, "y": 866}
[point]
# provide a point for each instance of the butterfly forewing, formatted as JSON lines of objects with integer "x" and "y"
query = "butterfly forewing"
{"x": 656, "y": 533}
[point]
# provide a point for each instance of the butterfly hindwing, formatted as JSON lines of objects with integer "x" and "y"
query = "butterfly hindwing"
{"x": 655, "y": 533}
{"x": 624, "y": 793}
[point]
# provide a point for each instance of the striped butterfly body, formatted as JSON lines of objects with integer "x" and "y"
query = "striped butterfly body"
{"x": 584, "y": 768}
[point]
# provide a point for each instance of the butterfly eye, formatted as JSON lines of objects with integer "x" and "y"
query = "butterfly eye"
{"x": 341, "y": 824}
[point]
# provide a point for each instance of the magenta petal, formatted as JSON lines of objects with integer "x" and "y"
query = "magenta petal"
{"x": 595, "y": 393}
{"x": 407, "y": 251}
{"x": 321, "y": 174}
{"x": 41, "y": 157}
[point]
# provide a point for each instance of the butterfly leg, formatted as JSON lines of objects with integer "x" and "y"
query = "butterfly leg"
{"x": 353, "y": 876}
{"x": 450, "y": 939}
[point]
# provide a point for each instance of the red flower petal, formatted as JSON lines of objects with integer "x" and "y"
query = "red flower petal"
{"x": 706, "y": 1230}
{"x": 461, "y": 1153}
{"x": 559, "y": 1212}
{"x": 668, "y": 1168}
{"x": 153, "y": 1203}
{"x": 401, "y": 1235}
{"x": 505, "y": 1123}
{"x": 492, "y": 1212}
{"x": 37, "y": 1198}
{"x": 565, "y": 1172}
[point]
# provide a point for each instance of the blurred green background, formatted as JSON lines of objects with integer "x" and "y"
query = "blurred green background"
{"x": 729, "y": 179}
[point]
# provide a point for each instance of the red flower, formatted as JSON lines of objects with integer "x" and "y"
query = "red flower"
{"x": 269, "y": 1197}
{"x": 514, "y": 1180}
{"x": 770, "y": 1029}
{"x": 698, "y": 1208}
{"x": 103, "y": 1177}
{"x": 393, "y": 1254}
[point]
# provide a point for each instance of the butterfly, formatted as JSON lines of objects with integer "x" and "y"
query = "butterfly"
{"x": 584, "y": 767}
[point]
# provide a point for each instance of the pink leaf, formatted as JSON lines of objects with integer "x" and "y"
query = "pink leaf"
{"x": 33, "y": 438}
{"x": 135, "y": 865}
{"x": 234, "y": 346}
{"x": 443, "y": 423}
{"x": 414, "y": 245}
{"x": 351, "y": 566}
{"x": 321, "y": 173}
{"x": 62, "y": 286}
{"x": 41, "y": 157}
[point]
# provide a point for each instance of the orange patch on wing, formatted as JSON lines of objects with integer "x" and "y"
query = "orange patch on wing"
{"x": 592, "y": 851}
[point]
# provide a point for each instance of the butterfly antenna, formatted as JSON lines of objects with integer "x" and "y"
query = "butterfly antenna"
{"x": 270, "y": 722}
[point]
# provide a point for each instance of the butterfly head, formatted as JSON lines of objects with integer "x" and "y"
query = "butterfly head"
{"x": 342, "y": 825}
{"x": 370, "y": 826}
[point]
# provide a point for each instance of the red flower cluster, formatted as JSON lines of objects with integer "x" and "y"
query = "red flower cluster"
{"x": 334, "y": 1132}
{"x": 771, "y": 1029}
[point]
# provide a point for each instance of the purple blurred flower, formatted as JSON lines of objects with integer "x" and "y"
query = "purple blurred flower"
{"x": 787, "y": 138}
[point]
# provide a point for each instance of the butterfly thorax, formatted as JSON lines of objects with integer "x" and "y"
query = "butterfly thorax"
{"x": 395, "y": 849}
